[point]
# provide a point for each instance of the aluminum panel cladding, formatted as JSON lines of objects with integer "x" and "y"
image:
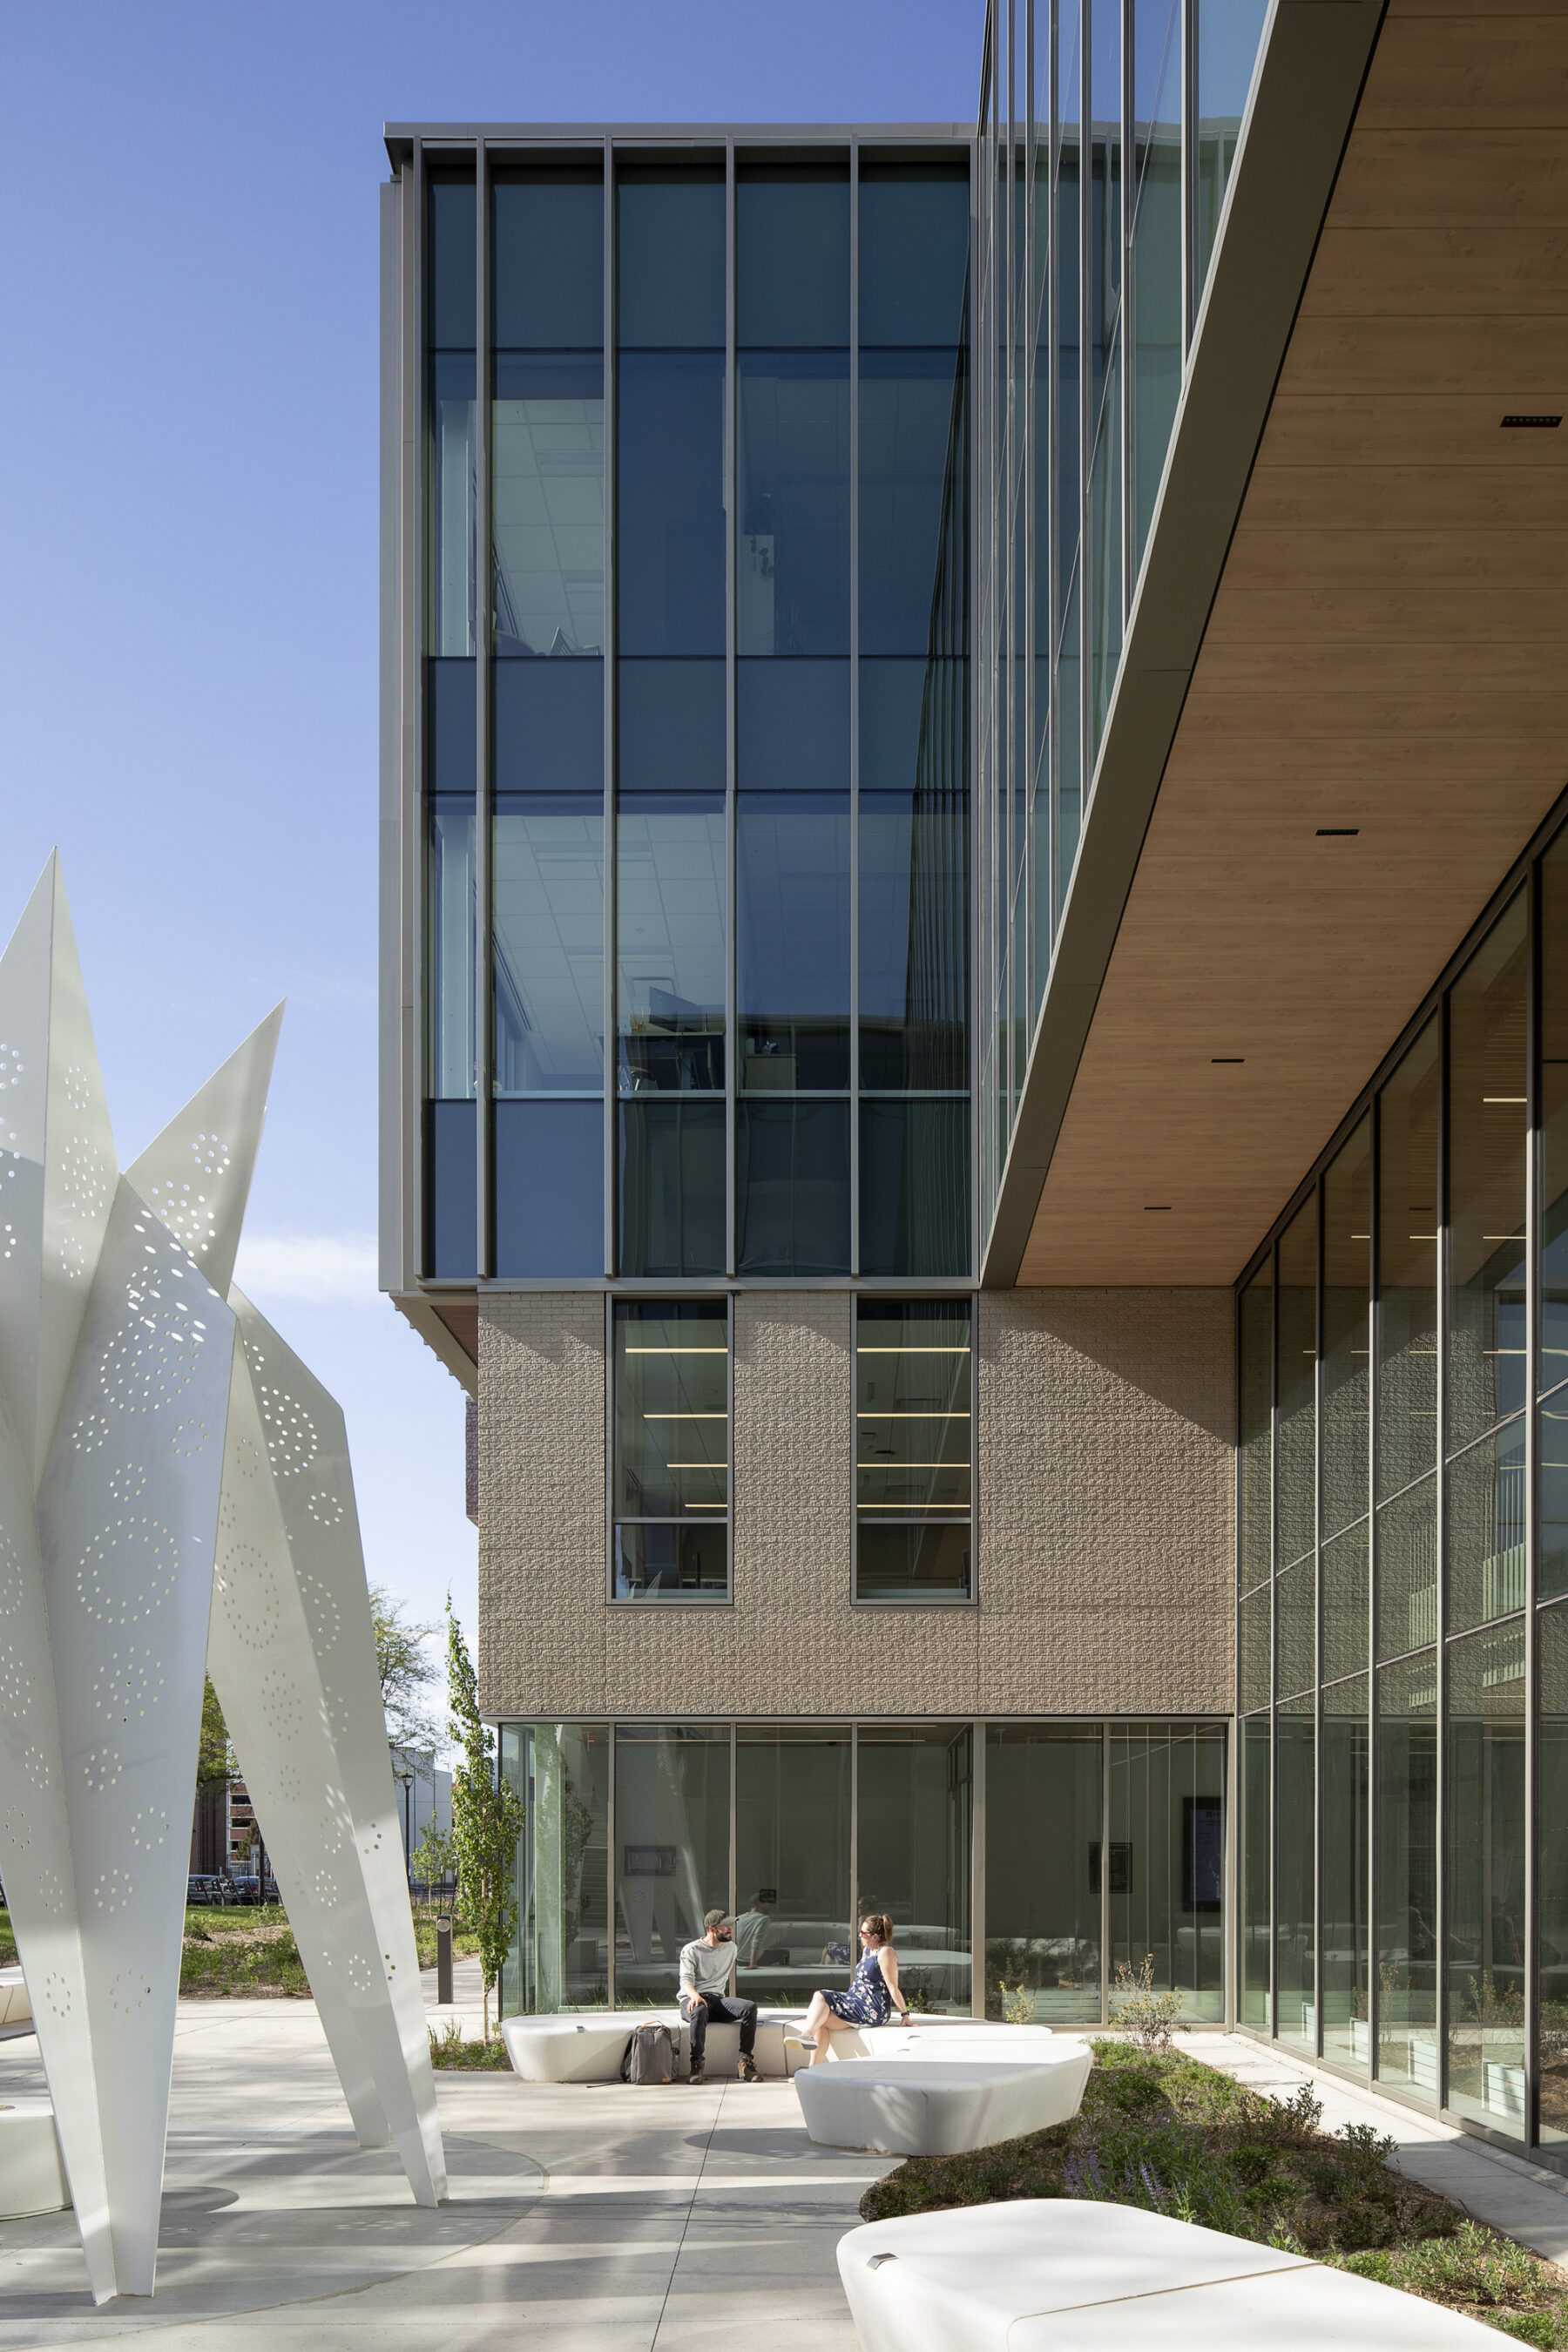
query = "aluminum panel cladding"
{"x": 57, "y": 1162}
{"x": 126, "y": 1523}
{"x": 307, "y": 1460}
{"x": 196, "y": 1176}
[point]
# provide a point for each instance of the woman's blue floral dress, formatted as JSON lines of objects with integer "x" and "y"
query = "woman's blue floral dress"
{"x": 868, "y": 2000}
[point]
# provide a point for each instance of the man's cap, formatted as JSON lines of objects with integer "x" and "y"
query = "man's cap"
{"x": 715, "y": 1919}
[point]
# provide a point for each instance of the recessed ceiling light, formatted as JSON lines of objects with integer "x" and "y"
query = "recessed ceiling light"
{"x": 1156, "y": 1208}
{"x": 1216, "y": 1059}
{"x": 1338, "y": 832}
{"x": 1540, "y": 422}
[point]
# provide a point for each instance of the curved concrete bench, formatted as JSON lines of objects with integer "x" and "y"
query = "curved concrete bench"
{"x": 942, "y": 2038}
{"x": 939, "y": 2106}
{"x": 16, "y": 2008}
{"x": 1057, "y": 2275}
{"x": 32, "y": 2175}
{"x": 587, "y": 2045}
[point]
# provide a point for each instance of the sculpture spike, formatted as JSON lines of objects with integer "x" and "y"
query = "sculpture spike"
{"x": 57, "y": 1167}
{"x": 196, "y": 1175}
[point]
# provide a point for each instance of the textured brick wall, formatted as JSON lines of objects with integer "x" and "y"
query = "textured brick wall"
{"x": 1107, "y": 1501}
{"x": 1104, "y": 1553}
{"x": 542, "y": 1504}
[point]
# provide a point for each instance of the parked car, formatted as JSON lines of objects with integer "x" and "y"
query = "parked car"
{"x": 252, "y": 1889}
{"x": 207, "y": 1887}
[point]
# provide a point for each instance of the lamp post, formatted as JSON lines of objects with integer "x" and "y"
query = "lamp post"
{"x": 405, "y": 1777}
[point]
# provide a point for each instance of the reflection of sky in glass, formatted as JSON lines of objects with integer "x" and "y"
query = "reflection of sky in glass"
{"x": 1067, "y": 58}
{"x": 669, "y": 912}
{"x": 548, "y": 462}
{"x": 549, "y": 946}
{"x": 1105, "y": 65}
{"x": 1228, "y": 34}
{"x": 1156, "y": 61}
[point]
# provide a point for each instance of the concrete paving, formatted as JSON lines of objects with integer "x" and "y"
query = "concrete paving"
{"x": 600, "y": 2218}
{"x": 1506, "y": 2192}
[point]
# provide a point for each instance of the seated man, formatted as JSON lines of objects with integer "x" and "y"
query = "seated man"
{"x": 752, "y": 1924}
{"x": 705, "y": 1965}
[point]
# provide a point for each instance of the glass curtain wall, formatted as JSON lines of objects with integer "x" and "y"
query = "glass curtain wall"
{"x": 1401, "y": 1485}
{"x": 793, "y": 1871}
{"x": 451, "y": 942}
{"x": 1108, "y": 131}
{"x": 547, "y": 724}
{"x": 672, "y": 763}
{"x": 695, "y": 828}
{"x": 627, "y": 1841}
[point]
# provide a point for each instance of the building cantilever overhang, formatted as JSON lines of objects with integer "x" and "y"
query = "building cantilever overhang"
{"x": 1340, "y": 711}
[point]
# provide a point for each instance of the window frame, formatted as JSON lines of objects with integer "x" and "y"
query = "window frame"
{"x": 970, "y": 1600}
{"x": 654, "y": 1298}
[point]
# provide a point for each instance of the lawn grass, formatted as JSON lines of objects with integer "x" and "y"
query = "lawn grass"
{"x": 248, "y": 1951}
{"x": 1174, "y": 2137}
{"x": 244, "y": 1953}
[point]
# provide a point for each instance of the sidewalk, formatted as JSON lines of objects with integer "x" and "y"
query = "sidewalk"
{"x": 1506, "y": 2192}
{"x": 598, "y": 2219}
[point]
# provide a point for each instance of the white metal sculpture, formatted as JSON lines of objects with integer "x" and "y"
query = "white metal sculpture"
{"x": 150, "y": 1429}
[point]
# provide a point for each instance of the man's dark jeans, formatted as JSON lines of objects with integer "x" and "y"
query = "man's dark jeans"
{"x": 697, "y": 2011}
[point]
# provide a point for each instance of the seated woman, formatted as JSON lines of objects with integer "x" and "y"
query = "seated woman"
{"x": 873, "y": 1991}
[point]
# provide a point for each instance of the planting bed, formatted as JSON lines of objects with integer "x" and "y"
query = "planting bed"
{"x": 1162, "y": 2131}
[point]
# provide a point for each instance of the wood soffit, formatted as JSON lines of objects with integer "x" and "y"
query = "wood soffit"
{"x": 1385, "y": 651}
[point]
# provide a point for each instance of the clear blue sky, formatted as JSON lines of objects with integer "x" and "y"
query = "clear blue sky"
{"x": 188, "y": 594}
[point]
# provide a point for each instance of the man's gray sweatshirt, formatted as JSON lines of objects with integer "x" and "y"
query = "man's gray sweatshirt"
{"x": 705, "y": 1967}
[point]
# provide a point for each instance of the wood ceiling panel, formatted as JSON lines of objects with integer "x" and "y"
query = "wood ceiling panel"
{"x": 1339, "y": 430}
{"x": 1352, "y": 559}
{"x": 1424, "y": 498}
{"x": 1389, "y": 273}
{"x": 1517, "y": 359}
{"x": 1426, "y": 73}
{"x": 1388, "y": 617}
{"x": 1385, "y": 651}
{"x": 1430, "y": 179}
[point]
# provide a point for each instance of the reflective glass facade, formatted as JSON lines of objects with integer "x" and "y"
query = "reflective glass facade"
{"x": 694, "y": 659}
{"x": 977, "y": 1838}
{"x": 1109, "y": 129}
{"x": 1402, "y": 1397}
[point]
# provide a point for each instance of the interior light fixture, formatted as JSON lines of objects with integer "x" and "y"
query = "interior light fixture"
{"x": 1156, "y": 1208}
{"x": 1540, "y": 422}
{"x": 1338, "y": 832}
{"x": 1236, "y": 1060}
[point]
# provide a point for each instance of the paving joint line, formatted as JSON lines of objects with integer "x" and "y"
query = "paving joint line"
{"x": 686, "y": 2223}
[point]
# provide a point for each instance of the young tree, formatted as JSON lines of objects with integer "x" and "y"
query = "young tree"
{"x": 433, "y": 1859}
{"x": 214, "y": 1760}
{"x": 487, "y": 1818}
{"x": 406, "y": 1669}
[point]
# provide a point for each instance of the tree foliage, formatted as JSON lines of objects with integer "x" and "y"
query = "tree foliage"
{"x": 406, "y": 1670}
{"x": 214, "y": 1757}
{"x": 487, "y": 1818}
{"x": 434, "y": 1859}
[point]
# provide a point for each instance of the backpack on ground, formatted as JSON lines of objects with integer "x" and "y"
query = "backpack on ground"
{"x": 650, "y": 2055}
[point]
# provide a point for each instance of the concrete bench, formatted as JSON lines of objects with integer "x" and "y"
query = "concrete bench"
{"x": 587, "y": 2046}
{"x": 1059, "y": 2275}
{"x": 939, "y": 2037}
{"x": 937, "y": 2106}
{"x": 16, "y": 2008}
{"x": 32, "y": 2174}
